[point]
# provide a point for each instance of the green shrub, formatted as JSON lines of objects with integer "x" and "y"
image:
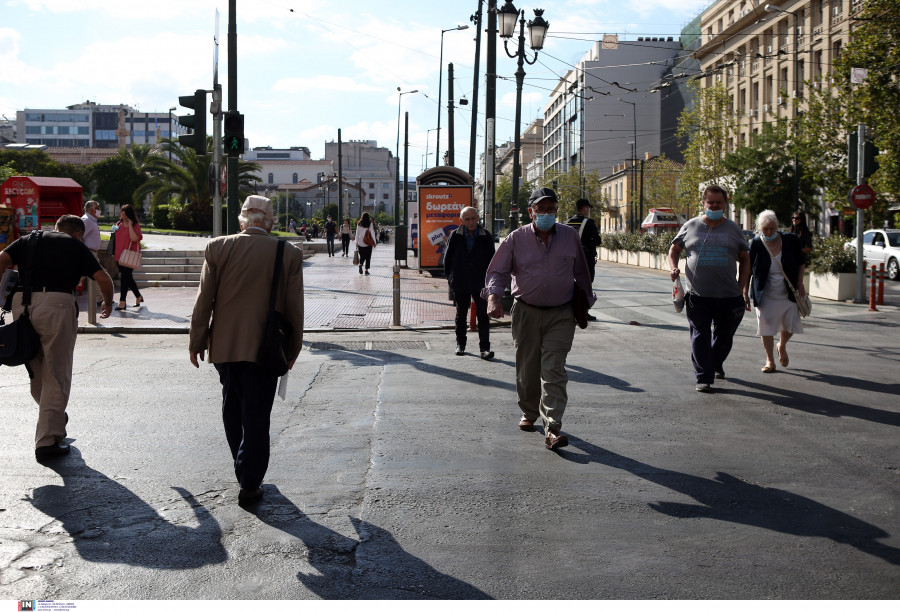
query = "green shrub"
{"x": 829, "y": 257}
{"x": 160, "y": 216}
{"x": 657, "y": 244}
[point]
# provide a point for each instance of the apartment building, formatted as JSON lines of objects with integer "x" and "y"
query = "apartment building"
{"x": 370, "y": 169}
{"x": 763, "y": 57}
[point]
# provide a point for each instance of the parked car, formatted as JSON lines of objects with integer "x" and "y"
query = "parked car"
{"x": 881, "y": 246}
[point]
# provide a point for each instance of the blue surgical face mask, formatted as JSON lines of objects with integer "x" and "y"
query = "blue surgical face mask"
{"x": 714, "y": 215}
{"x": 769, "y": 238}
{"x": 545, "y": 222}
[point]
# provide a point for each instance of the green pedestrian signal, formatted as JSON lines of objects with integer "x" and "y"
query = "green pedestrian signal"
{"x": 196, "y": 122}
{"x": 233, "y": 142}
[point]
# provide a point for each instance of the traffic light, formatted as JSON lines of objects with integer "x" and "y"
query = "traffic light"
{"x": 196, "y": 122}
{"x": 234, "y": 133}
{"x": 870, "y": 152}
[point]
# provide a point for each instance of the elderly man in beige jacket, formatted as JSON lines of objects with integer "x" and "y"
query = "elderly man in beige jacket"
{"x": 234, "y": 293}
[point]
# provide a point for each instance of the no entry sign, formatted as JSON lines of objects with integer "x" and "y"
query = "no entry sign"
{"x": 862, "y": 196}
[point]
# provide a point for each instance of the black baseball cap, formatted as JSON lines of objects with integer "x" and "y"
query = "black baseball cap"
{"x": 544, "y": 193}
{"x": 583, "y": 202}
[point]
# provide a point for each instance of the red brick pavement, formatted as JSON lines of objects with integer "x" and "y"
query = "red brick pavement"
{"x": 336, "y": 297}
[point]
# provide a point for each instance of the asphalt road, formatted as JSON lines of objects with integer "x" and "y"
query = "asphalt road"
{"x": 398, "y": 472}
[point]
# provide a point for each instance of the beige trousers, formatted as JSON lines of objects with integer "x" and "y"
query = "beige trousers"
{"x": 55, "y": 318}
{"x": 543, "y": 339}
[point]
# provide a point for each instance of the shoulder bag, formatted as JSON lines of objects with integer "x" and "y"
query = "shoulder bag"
{"x": 131, "y": 259}
{"x": 276, "y": 339}
{"x": 804, "y": 304}
{"x": 19, "y": 342}
{"x": 367, "y": 237}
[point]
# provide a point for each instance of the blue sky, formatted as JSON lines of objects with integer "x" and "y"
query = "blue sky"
{"x": 305, "y": 67}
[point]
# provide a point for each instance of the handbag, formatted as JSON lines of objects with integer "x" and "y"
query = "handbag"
{"x": 278, "y": 332}
{"x": 804, "y": 304}
{"x": 580, "y": 307}
{"x": 356, "y": 257}
{"x": 111, "y": 245}
{"x": 367, "y": 237}
{"x": 131, "y": 259}
{"x": 19, "y": 341}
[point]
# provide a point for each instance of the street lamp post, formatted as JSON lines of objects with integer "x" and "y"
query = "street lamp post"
{"x": 400, "y": 95}
{"x": 633, "y": 160}
{"x": 537, "y": 30}
{"x": 771, "y": 8}
{"x": 440, "y": 83}
{"x": 171, "y": 127}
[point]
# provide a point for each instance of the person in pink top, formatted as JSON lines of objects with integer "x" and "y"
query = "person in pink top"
{"x": 544, "y": 261}
{"x": 128, "y": 237}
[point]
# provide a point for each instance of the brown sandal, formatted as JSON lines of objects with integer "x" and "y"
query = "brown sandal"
{"x": 526, "y": 424}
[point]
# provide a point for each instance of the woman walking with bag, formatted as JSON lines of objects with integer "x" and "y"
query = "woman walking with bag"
{"x": 776, "y": 259}
{"x": 128, "y": 238}
{"x": 365, "y": 241}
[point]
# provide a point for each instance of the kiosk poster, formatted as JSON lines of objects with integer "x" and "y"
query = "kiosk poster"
{"x": 439, "y": 207}
{"x": 22, "y": 196}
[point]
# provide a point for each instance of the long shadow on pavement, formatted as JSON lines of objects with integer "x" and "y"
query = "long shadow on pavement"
{"x": 110, "y": 524}
{"x": 726, "y": 498}
{"x": 373, "y": 567}
{"x": 820, "y": 404}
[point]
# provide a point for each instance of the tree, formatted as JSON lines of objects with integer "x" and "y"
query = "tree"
{"x": 762, "y": 174}
{"x": 875, "y": 102}
{"x": 117, "y": 179}
{"x": 503, "y": 197}
{"x": 661, "y": 177}
{"x": 569, "y": 187}
{"x": 707, "y": 129}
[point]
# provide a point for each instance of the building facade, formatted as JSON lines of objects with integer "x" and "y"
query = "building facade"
{"x": 371, "y": 169}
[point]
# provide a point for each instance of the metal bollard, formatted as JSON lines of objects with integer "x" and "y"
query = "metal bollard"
{"x": 92, "y": 300}
{"x": 880, "y": 301}
{"x": 396, "y": 295}
{"x": 472, "y": 325}
{"x": 872, "y": 293}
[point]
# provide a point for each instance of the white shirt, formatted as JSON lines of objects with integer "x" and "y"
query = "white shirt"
{"x": 91, "y": 232}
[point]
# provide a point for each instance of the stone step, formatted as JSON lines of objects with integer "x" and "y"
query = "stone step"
{"x": 166, "y": 283}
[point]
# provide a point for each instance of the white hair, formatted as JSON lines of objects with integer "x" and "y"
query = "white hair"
{"x": 765, "y": 217}
{"x": 467, "y": 209}
{"x": 255, "y": 218}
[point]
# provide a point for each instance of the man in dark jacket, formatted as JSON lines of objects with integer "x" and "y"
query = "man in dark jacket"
{"x": 590, "y": 237}
{"x": 465, "y": 264}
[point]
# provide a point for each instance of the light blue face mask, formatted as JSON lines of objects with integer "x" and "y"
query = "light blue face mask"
{"x": 769, "y": 238}
{"x": 714, "y": 215}
{"x": 545, "y": 222}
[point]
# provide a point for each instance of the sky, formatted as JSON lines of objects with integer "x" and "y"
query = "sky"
{"x": 306, "y": 68}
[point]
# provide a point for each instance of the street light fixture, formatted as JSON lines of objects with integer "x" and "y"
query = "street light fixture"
{"x": 440, "y": 84}
{"x": 537, "y": 31}
{"x": 171, "y": 128}
{"x": 633, "y": 160}
{"x": 400, "y": 95}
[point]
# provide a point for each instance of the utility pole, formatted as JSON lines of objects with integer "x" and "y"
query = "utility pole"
{"x": 341, "y": 179}
{"x": 490, "y": 111}
{"x": 232, "y": 162}
{"x": 476, "y": 19}
{"x": 450, "y": 146}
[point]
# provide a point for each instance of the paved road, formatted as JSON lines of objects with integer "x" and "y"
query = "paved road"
{"x": 397, "y": 471}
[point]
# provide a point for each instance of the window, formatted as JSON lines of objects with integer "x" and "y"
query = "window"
{"x": 271, "y": 178}
{"x": 294, "y": 178}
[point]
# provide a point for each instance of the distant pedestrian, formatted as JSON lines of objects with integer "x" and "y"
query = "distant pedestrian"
{"x": 772, "y": 251}
{"x": 330, "y": 232}
{"x": 128, "y": 237}
{"x": 465, "y": 265}
{"x": 545, "y": 263}
{"x": 60, "y": 260}
{"x": 292, "y": 227}
{"x": 590, "y": 237}
{"x": 315, "y": 229}
{"x": 717, "y": 295}
{"x": 234, "y": 294}
{"x": 346, "y": 232}
{"x": 802, "y": 231}
{"x": 365, "y": 241}
{"x": 91, "y": 226}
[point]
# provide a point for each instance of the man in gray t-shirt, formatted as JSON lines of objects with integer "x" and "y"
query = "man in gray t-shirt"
{"x": 717, "y": 297}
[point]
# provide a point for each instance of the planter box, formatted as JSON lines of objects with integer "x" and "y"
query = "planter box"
{"x": 604, "y": 253}
{"x": 632, "y": 258}
{"x": 644, "y": 259}
{"x": 839, "y": 287}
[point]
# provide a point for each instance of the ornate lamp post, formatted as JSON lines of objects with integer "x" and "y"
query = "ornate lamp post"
{"x": 537, "y": 30}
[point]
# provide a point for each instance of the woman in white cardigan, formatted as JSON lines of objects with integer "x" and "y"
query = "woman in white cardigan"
{"x": 366, "y": 240}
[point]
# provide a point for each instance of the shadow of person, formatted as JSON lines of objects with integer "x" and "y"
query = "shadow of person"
{"x": 726, "y": 498}
{"x": 578, "y": 374}
{"x": 110, "y": 524}
{"x": 371, "y": 566}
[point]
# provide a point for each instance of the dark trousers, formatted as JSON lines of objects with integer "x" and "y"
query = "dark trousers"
{"x": 463, "y": 302}
{"x": 365, "y": 256}
{"x": 127, "y": 283}
{"x": 345, "y": 243}
{"x": 713, "y": 323}
{"x": 591, "y": 264}
{"x": 247, "y": 395}
{"x": 329, "y": 241}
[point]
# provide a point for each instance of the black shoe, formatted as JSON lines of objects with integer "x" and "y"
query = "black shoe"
{"x": 487, "y": 355}
{"x": 720, "y": 373}
{"x": 121, "y": 307}
{"x": 57, "y": 449}
{"x": 460, "y": 349}
{"x": 591, "y": 317}
{"x": 367, "y": 272}
{"x": 360, "y": 268}
{"x": 249, "y": 497}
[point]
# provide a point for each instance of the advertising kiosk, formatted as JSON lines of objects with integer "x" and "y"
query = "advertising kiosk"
{"x": 662, "y": 220}
{"x": 35, "y": 202}
{"x": 442, "y": 194}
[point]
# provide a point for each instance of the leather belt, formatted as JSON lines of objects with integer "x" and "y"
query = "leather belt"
{"x": 48, "y": 290}
{"x": 542, "y": 307}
